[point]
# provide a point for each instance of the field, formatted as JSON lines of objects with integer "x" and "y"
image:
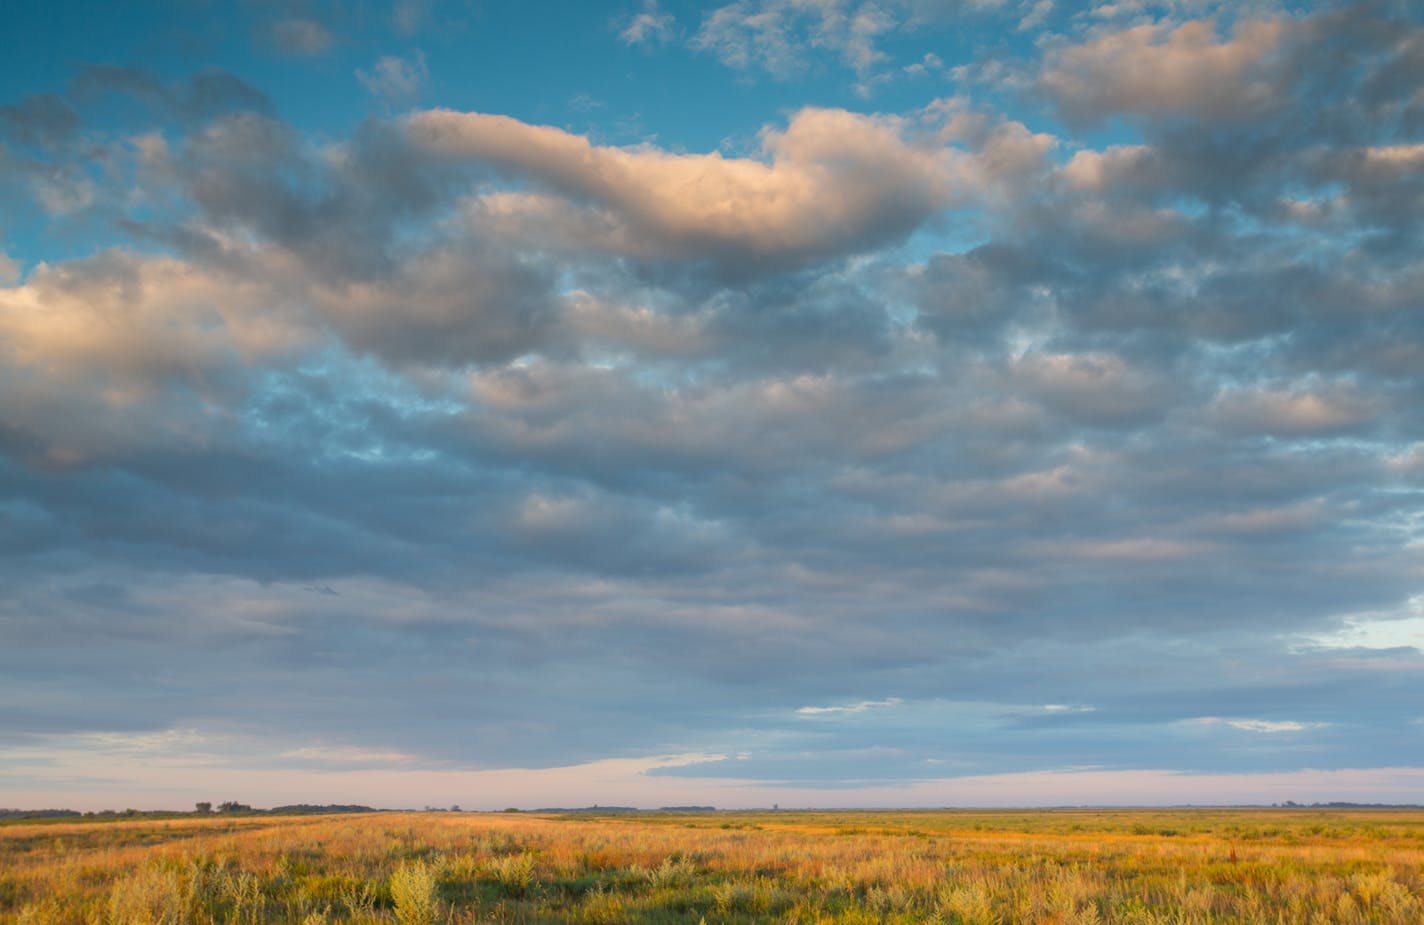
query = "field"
{"x": 1064, "y": 866}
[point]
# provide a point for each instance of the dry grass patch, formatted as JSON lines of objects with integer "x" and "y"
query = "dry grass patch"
{"x": 1090, "y": 867}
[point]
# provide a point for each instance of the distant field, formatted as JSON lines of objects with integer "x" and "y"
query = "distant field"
{"x": 1186, "y": 866}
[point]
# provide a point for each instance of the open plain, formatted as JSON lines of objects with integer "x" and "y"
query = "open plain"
{"x": 1055, "y": 866}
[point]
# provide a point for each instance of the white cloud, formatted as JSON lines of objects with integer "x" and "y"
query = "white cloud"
{"x": 1263, "y": 726}
{"x": 1403, "y": 628}
{"x": 348, "y": 754}
{"x": 851, "y": 708}
{"x": 1269, "y": 726}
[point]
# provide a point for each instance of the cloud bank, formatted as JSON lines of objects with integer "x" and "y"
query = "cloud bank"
{"x": 458, "y": 451}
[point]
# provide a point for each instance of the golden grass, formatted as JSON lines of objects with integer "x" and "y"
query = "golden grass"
{"x": 1062, "y": 866}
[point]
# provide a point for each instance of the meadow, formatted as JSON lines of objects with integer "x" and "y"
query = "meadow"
{"x": 1059, "y": 866}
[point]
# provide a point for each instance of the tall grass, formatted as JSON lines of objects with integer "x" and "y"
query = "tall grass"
{"x": 413, "y": 891}
{"x": 1069, "y": 868}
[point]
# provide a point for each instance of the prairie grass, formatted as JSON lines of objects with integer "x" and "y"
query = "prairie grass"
{"x": 1070, "y": 867}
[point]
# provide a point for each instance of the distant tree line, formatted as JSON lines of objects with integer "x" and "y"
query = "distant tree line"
{"x": 37, "y": 813}
{"x": 201, "y": 808}
{"x": 232, "y": 807}
{"x": 1292, "y": 804}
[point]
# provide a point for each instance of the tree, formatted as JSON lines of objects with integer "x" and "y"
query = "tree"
{"x": 204, "y": 807}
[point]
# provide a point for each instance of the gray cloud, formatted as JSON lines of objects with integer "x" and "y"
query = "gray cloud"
{"x": 785, "y": 39}
{"x": 299, "y": 36}
{"x": 198, "y": 98}
{"x": 522, "y": 449}
{"x": 43, "y": 120}
{"x": 1173, "y": 69}
{"x": 394, "y": 79}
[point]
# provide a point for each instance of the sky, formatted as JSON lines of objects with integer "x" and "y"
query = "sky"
{"x": 801, "y": 402}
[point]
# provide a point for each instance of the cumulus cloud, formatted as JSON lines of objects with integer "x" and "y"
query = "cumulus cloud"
{"x": 455, "y": 307}
{"x": 1168, "y": 69}
{"x": 98, "y": 352}
{"x": 138, "y": 319}
{"x": 831, "y": 182}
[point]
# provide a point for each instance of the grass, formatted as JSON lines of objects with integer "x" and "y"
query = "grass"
{"x": 1062, "y": 866}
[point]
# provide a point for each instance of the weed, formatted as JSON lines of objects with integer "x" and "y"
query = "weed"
{"x": 413, "y": 890}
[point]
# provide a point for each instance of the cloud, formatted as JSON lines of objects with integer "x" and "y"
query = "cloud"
{"x": 138, "y": 320}
{"x": 94, "y": 350}
{"x": 299, "y": 36}
{"x": 1164, "y": 69}
{"x": 453, "y": 306}
{"x": 832, "y": 182}
{"x": 1269, "y": 726}
{"x": 249, "y": 177}
{"x": 409, "y": 16}
{"x": 1095, "y": 389}
{"x": 192, "y": 100}
{"x": 394, "y": 79}
{"x": 848, "y": 709}
{"x": 773, "y": 35}
{"x": 346, "y": 755}
{"x": 41, "y": 120}
{"x": 787, "y": 39}
{"x": 1327, "y": 410}
{"x": 63, "y": 192}
{"x": 643, "y": 451}
{"x": 1378, "y": 633}
{"x": 651, "y": 26}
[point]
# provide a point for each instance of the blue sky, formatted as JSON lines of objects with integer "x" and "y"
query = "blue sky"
{"x": 813, "y": 402}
